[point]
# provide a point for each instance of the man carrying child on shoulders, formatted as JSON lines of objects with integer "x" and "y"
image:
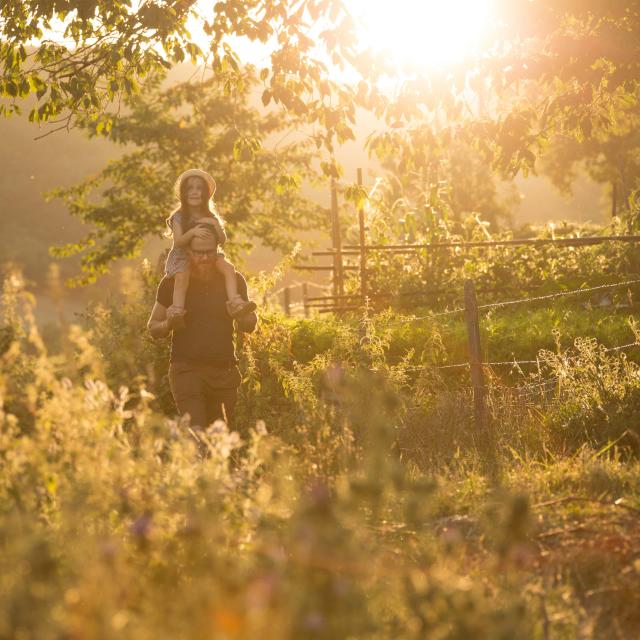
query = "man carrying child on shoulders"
{"x": 203, "y": 371}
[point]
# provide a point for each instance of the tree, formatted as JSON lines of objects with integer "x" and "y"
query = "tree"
{"x": 610, "y": 157}
{"x": 419, "y": 164}
{"x": 551, "y": 66}
{"x": 108, "y": 48}
{"x": 103, "y": 51}
{"x": 194, "y": 124}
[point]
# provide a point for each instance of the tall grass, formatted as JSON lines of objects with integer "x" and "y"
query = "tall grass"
{"x": 355, "y": 504}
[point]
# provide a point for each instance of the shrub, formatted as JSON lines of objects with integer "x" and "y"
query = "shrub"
{"x": 599, "y": 396}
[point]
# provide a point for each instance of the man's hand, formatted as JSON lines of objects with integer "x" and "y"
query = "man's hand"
{"x": 157, "y": 323}
{"x": 163, "y": 321}
{"x": 247, "y": 323}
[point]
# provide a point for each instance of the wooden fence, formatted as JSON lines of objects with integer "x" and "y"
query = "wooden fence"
{"x": 338, "y": 301}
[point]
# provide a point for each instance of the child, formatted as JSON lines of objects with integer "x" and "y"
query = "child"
{"x": 195, "y": 189}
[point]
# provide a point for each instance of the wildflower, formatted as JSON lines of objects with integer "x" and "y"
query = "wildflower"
{"x": 141, "y": 526}
{"x": 313, "y": 621}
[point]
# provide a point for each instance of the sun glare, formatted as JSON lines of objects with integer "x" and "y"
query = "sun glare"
{"x": 424, "y": 33}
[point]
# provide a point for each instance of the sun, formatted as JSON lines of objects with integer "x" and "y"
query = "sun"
{"x": 423, "y": 33}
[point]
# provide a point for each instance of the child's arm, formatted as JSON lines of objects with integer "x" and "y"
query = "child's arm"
{"x": 222, "y": 236}
{"x": 218, "y": 229}
{"x": 186, "y": 237}
{"x": 180, "y": 238}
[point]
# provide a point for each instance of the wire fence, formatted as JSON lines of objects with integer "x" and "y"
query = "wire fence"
{"x": 511, "y": 363}
{"x": 523, "y": 392}
{"x": 530, "y": 389}
{"x": 507, "y": 303}
{"x": 356, "y": 261}
{"x": 448, "y": 312}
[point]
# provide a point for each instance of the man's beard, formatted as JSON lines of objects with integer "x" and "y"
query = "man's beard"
{"x": 203, "y": 271}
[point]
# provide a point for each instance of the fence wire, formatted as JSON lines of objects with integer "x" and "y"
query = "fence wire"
{"x": 293, "y": 285}
{"x": 497, "y": 305}
{"x": 507, "y": 303}
{"x": 560, "y": 294}
{"x": 509, "y": 363}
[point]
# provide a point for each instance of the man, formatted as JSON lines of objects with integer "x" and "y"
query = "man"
{"x": 203, "y": 372}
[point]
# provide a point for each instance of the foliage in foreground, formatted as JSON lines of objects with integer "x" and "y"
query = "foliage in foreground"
{"x": 114, "y": 524}
{"x": 293, "y": 368}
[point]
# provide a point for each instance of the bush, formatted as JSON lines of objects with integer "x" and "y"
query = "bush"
{"x": 599, "y": 396}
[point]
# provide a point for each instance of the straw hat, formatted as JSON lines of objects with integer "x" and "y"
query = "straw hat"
{"x": 196, "y": 173}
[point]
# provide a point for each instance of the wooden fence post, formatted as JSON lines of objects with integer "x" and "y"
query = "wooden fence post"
{"x": 338, "y": 283}
{"x": 363, "y": 256}
{"x": 286, "y": 294}
{"x": 305, "y": 296}
{"x": 475, "y": 357}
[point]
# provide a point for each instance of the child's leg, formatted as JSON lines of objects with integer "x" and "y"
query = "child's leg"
{"x": 236, "y": 304}
{"x": 180, "y": 286}
{"x": 229, "y": 273}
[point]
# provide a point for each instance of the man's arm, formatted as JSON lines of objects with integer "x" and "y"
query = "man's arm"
{"x": 248, "y": 322}
{"x": 164, "y": 317}
{"x": 158, "y": 324}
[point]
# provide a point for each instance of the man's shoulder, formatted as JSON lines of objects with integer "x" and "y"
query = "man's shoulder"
{"x": 167, "y": 281}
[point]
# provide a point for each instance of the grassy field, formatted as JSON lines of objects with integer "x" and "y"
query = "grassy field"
{"x": 357, "y": 500}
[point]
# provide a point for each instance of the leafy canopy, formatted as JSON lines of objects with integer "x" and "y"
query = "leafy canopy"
{"x": 583, "y": 53}
{"x": 554, "y": 66}
{"x": 194, "y": 124}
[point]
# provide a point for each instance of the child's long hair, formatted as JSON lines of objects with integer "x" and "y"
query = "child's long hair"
{"x": 208, "y": 208}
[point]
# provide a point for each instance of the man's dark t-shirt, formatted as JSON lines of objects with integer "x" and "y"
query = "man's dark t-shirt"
{"x": 208, "y": 335}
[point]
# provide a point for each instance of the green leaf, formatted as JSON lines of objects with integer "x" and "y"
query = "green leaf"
{"x": 356, "y": 194}
{"x": 11, "y": 88}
